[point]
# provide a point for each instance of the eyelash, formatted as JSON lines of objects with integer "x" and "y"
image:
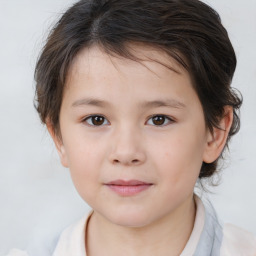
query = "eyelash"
{"x": 166, "y": 119}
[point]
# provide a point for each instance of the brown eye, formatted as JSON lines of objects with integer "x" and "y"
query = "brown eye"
{"x": 96, "y": 120}
{"x": 159, "y": 120}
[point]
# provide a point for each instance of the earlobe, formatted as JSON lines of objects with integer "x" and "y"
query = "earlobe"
{"x": 58, "y": 144}
{"x": 216, "y": 140}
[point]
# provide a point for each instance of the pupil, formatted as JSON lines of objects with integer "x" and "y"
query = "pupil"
{"x": 158, "y": 120}
{"x": 97, "y": 120}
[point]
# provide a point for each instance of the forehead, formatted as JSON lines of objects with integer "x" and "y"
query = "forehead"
{"x": 152, "y": 74}
{"x": 154, "y": 60}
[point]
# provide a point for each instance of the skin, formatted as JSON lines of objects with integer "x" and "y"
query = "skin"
{"x": 129, "y": 144}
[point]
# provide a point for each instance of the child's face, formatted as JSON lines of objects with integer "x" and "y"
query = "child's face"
{"x": 125, "y": 143}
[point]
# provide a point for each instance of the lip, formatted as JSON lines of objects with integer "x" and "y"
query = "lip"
{"x": 129, "y": 187}
{"x": 127, "y": 183}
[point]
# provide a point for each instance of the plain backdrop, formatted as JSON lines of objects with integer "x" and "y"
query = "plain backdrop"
{"x": 36, "y": 193}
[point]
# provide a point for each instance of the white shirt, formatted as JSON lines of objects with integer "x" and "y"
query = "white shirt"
{"x": 208, "y": 238}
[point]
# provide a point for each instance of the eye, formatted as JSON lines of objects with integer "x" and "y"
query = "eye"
{"x": 160, "y": 120}
{"x": 96, "y": 120}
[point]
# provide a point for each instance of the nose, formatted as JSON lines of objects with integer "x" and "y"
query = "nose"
{"x": 127, "y": 148}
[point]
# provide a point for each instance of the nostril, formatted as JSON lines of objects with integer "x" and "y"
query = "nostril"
{"x": 134, "y": 161}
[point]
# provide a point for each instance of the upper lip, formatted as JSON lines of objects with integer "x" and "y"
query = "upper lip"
{"x": 128, "y": 183}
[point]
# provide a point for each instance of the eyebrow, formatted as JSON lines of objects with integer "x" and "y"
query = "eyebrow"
{"x": 90, "y": 102}
{"x": 148, "y": 104}
{"x": 163, "y": 103}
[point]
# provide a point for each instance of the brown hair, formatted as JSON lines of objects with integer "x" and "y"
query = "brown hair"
{"x": 188, "y": 30}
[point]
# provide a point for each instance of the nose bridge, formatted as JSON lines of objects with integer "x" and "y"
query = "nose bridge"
{"x": 127, "y": 146}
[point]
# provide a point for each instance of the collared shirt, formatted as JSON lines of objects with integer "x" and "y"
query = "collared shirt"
{"x": 208, "y": 238}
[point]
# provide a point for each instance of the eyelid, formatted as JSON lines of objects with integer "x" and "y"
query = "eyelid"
{"x": 170, "y": 119}
{"x": 84, "y": 120}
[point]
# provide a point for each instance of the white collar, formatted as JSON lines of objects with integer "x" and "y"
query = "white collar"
{"x": 197, "y": 229}
{"x": 72, "y": 239}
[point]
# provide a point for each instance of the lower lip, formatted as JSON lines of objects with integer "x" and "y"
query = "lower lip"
{"x": 129, "y": 190}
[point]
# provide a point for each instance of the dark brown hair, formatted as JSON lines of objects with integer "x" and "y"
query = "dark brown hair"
{"x": 187, "y": 30}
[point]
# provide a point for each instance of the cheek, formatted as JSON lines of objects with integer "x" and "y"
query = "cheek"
{"x": 179, "y": 157}
{"x": 85, "y": 160}
{"x": 83, "y": 150}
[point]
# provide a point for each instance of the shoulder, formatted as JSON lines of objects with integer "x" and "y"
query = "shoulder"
{"x": 56, "y": 242}
{"x": 237, "y": 241}
{"x": 15, "y": 252}
{"x": 72, "y": 239}
{"x": 221, "y": 239}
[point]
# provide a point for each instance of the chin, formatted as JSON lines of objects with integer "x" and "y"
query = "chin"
{"x": 130, "y": 219}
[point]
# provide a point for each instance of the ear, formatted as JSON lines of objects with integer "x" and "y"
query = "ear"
{"x": 58, "y": 144}
{"x": 216, "y": 140}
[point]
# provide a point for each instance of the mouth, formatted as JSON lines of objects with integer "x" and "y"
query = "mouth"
{"x": 128, "y": 188}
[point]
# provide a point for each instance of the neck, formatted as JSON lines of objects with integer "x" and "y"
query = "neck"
{"x": 166, "y": 236}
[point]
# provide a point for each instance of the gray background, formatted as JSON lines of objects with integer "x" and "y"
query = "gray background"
{"x": 36, "y": 193}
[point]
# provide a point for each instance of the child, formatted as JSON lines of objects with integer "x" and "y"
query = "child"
{"x": 136, "y": 96}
